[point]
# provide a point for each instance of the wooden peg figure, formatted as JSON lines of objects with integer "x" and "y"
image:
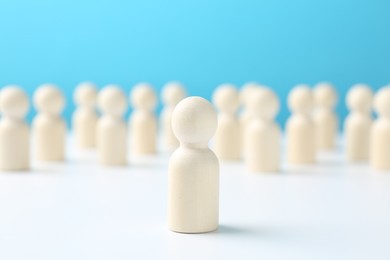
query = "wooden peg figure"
{"x": 193, "y": 169}
{"x": 325, "y": 118}
{"x": 227, "y": 139}
{"x": 263, "y": 135}
{"x": 49, "y": 128}
{"x": 111, "y": 132}
{"x": 85, "y": 117}
{"x": 380, "y": 133}
{"x": 172, "y": 93}
{"x": 14, "y": 132}
{"x": 300, "y": 129}
{"x": 143, "y": 121}
{"x": 358, "y": 123}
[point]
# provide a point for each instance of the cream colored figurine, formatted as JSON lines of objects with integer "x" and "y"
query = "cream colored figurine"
{"x": 358, "y": 123}
{"x": 49, "y": 128}
{"x": 14, "y": 132}
{"x": 111, "y": 132}
{"x": 85, "y": 117}
{"x": 262, "y": 136}
{"x": 245, "y": 93}
{"x": 193, "y": 169}
{"x": 325, "y": 118}
{"x": 300, "y": 129}
{"x": 227, "y": 139}
{"x": 380, "y": 132}
{"x": 143, "y": 122}
{"x": 172, "y": 93}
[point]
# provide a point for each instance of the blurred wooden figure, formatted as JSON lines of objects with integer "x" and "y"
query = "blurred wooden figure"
{"x": 325, "y": 118}
{"x": 14, "y": 131}
{"x": 300, "y": 129}
{"x": 85, "y": 117}
{"x": 172, "y": 93}
{"x": 49, "y": 128}
{"x": 380, "y": 133}
{"x": 227, "y": 139}
{"x": 143, "y": 121}
{"x": 262, "y": 136}
{"x": 358, "y": 123}
{"x": 111, "y": 132}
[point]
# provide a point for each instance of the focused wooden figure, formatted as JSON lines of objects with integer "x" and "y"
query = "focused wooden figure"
{"x": 193, "y": 169}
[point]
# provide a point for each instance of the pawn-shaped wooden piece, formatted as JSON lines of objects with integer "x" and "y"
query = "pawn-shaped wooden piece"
{"x": 300, "y": 129}
{"x": 380, "y": 131}
{"x": 358, "y": 123}
{"x": 143, "y": 121}
{"x": 111, "y": 132}
{"x": 227, "y": 139}
{"x": 325, "y": 118}
{"x": 262, "y": 136}
{"x": 49, "y": 128}
{"x": 172, "y": 93}
{"x": 193, "y": 169}
{"x": 85, "y": 117}
{"x": 14, "y": 132}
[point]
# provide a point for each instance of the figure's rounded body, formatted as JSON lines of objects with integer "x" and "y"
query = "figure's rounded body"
{"x": 357, "y": 136}
{"x": 326, "y": 129}
{"x": 144, "y": 131}
{"x": 111, "y": 141}
{"x": 84, "y": 126}
{"x": 170, "y": 140}
{"x": 49, "y": 137}
{"x": 14, "y": 145}
{"x": 194, "y": 188}
{"x": 380, "y": 144}
{"x": 262, "y": 140}
{"x": 227, "y": 139}
{"x": 301, "y": 146}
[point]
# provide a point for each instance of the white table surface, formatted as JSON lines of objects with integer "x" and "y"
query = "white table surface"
{"x": 80, "y": 210}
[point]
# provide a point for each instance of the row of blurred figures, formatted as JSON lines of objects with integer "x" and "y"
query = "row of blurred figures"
{"x": 246, "y": 126}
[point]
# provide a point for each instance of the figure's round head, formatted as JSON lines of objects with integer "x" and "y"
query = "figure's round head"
{"x": 48, "y": 99}
{"x": 194, "y": 120}
{"x": 264, "y": 103}
{"x": 143, "y": 97}
{"x": 85, "y": 94}
{"x": 300, "y": 99}
{"x": 246, "y": 91}
{"x": 325, "y": 95}
{"x": 382, "y": 102}
{"x": 172, "y": 93}
{"x": 112, "y": 101}
{"x": 226, "y": 99}
{"x": 359, "y": 98}
{"x": 13, "y": 102}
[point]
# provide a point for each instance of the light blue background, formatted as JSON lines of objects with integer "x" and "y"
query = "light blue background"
{"x": 202, "y": 43}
